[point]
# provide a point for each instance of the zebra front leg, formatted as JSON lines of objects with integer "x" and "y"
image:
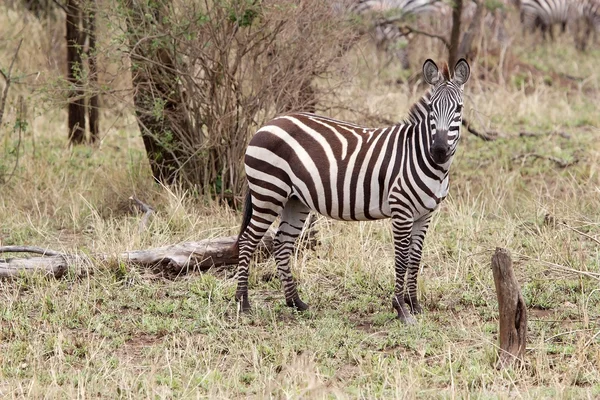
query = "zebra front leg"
{"x": 292, "y": 221}
{"x": 418, "y": 233}
{"x": 401, "y": 228}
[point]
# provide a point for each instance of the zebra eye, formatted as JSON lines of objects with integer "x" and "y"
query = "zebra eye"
{"x": 459, "y": 108}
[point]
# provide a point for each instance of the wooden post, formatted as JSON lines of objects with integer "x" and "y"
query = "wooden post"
{"x": 511, "y": 306}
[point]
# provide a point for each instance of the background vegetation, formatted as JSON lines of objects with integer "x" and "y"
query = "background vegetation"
{"x": 122, "y": 332}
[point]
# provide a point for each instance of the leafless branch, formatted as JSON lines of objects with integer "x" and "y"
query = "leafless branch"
{"x": 559, "y": 162}
{"x": 580, "y": 232}
{"x": 8, "y": 79}
{"x": 592, "y": 339}
{"x": 406, "y": 29}
{"x": 20, "y": 121}
{"x": 482, "y": 136}
{"x": 59, "y": 4}
{"x": 537, "y": 134}
{"x": 563, "y": 268}
{"x": 30, "y": 249}
{"x": 146, "y": 209}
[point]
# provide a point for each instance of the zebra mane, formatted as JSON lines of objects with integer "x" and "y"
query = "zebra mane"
{"x": 445, "y": 71}
{"x": 419, "y": 110}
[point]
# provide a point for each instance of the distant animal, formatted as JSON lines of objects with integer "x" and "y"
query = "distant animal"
{"x": 588, "y": 21}
{"x": 386, "y": 14}
{"x": 544, "y": 14}
{"x": 302, "y": 162}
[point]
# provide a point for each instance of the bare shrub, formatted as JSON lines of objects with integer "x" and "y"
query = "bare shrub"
{"x": 207, "y": 73}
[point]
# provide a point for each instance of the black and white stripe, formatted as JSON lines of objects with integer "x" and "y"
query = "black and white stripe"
{"x": 588, "y": 15}
{"x": 544, "y": 14}
{"x": 302, "y": 162}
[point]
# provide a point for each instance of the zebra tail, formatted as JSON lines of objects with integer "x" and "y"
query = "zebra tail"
{"x": 245, "y": 219}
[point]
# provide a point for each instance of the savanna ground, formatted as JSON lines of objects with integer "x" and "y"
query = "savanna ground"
{"x": 123, "y": 332}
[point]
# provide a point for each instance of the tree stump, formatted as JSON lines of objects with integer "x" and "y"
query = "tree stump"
{"x": 511, "y": 306}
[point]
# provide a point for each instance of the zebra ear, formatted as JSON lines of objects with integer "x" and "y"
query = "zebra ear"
{"x": 462, "y": 71}
{"x": 430, "y": 72}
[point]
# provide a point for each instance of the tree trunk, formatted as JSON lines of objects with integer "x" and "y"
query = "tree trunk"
{"x": 94, "y": 101}
{"x": 455, "y": 33}
{"x": 511, "y": 306}
{"x": 472, "y": 32}
{"x": 156, "y": 89}
{"x": 76, "y": 121}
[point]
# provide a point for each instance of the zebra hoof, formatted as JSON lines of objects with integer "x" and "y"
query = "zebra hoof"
{"x": 243, "y": 303}
{"x": 296, "y": 303}
{"x": 403, "y": 314}
{"x": 407, "y": 320}
{"x": 415, "y": 307}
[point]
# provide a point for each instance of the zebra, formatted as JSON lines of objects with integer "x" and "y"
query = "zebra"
{"x": 302, "y": 162}
{"x": 544, "y": 14}
{"x": 387, "y": 34}
{"x": 588, "y": 15}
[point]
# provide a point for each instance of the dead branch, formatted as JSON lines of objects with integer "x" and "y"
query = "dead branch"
{"x": 559, "y": 162}
{"x": 172, "y": 260}
{"x": 56, "y": 266}
{"x": 512, "y": 309}
{"x": 488, "y": 137}
{"x": 406, "y": 29}
{"x": 562, "y": 134}
{"x": 19, "y": 124}
{"x": 563, "y": 268}
{"x": 580, "y": 232}
{"x": 30, "y": 249}
{"x": 146, "y": 209}
{"x": 8, "y": 78}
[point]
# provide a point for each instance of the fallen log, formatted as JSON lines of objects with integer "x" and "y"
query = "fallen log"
{"x": 176, "y": 259}
{"x": 512, "y": 310}
{"x": 55, "y": 266}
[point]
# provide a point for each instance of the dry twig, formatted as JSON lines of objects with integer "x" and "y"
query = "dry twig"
{"x": 558, "y": 161}
{"x": 562, "y": 134}
{"x": 406, "y": 29}
{"x": 580, "y": 232}
{"x": 146, "y": 209}
{"x": 8, "y": 78}
{"x": 563, "y": 268}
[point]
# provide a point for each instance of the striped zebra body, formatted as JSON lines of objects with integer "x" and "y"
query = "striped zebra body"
{"x": 589, "y": 14}
{"x": 302, "y": 162}
{"x": 413, "y": 7}
{"x": 544, "y": 14}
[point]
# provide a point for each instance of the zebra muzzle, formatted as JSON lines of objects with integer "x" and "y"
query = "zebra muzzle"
{"x": 440, "y": 152}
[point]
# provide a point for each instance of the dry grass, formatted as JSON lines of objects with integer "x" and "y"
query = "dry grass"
{"x": 122, "y": 332}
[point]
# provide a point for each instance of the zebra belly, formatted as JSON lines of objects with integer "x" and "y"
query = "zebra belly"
{"x": 374, "y": 212}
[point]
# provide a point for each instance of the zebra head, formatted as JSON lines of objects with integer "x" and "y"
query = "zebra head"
{"x": 445, "y": 108}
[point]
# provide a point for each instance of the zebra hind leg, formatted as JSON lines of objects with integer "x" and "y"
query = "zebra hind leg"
{"x": 259, "y": 224}
{"x": 292, "y": 221}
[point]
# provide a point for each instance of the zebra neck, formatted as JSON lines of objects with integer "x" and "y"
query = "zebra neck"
{"x": 419, "y": 112}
